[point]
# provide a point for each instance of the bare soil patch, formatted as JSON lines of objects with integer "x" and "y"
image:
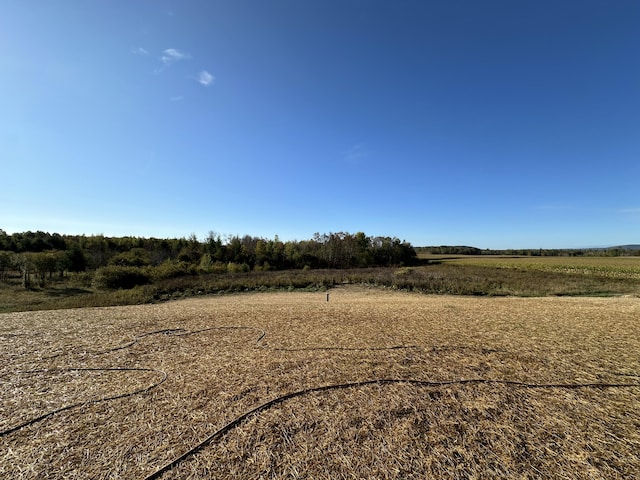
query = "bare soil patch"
{"x": 449, "y": 387}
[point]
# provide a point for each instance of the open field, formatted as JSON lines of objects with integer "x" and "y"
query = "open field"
{"x": 418, "y": 386}
{"x": 443, "y": 274}
{"x": 611, "y": 267}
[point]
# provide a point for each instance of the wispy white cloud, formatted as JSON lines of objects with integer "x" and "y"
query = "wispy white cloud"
{"x": 355, "y": 153}
{"x": 554, "y": 207}
{"x": 140, "y": 51}
{"x": 177, "y": 98}
{"x": 630, "y": 210}
{"x": 172, "y": 55}
{"x": 205, "y": 78}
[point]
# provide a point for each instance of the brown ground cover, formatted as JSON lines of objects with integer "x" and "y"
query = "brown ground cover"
{"x": 464, "y": 388}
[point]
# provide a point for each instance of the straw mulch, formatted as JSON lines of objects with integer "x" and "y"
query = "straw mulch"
{"x": 121, "y": 392}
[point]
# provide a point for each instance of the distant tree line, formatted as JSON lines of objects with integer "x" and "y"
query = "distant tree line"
{"x": 135, "y": 260}
{"x": 628, "y": 250}
{"x": 449, "y": 250}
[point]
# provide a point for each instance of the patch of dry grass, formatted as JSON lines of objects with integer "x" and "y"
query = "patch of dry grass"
{"x": 386, "y": 430}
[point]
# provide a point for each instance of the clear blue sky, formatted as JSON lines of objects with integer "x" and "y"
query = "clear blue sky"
{"x": 497, "y": 124}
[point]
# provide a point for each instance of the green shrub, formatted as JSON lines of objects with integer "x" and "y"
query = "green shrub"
{"x": 81, "y": 280}
{"x": 237, "y": 267}
{"x": 171, "y": 269}
{"x": 115, "y": 277}
{"x": 136, "y": 257}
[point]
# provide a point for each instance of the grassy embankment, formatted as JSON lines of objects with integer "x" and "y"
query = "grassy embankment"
{"x": 439, "y": 274}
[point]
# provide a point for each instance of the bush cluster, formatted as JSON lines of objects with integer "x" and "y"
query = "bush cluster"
{"x": 114, "y": 277}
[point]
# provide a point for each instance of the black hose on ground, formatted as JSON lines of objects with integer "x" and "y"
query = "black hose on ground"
{"x": 382, "y": 381}
{"x": 275, "y": 401}
{"x": 87, "y": 402}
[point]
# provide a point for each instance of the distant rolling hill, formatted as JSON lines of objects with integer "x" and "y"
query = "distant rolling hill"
{"x": 628, "y": 247}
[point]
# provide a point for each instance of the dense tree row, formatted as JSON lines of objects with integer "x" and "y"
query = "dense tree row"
{"x": 40, "y": 255}
{"x": 44, "y": 254}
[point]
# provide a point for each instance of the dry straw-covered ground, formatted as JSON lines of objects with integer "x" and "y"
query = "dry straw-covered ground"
{"x": 122, "y": 392}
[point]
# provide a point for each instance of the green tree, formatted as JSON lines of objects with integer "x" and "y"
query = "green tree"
{"x": 44, "y": 263}
{"x": 206, "y": 263}
{"x": 23, "y": 263}
{"x": 6, "y": 243}
{"x": 6, "y": 262}
{"x": 192, "y": 251}
{"x": 96, "y": 250}
{"x": 261, "y": 252}
{"x": 75, "y": 260}
{"x": 136, "y": 257}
